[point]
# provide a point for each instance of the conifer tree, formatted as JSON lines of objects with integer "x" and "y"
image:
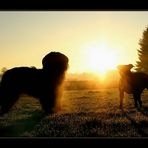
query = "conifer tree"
{"x": 142, "y": 64}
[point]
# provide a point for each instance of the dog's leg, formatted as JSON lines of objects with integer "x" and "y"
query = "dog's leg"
{"x": 48, "y": 102}
{"x": 137, "y": 99}
{"x": 58, "y": 106}
{"x": 121, "y": 93}
{"x": 7, "y": 102}
{"x": 140, "y": 102}
{"x": 47, "y": 105}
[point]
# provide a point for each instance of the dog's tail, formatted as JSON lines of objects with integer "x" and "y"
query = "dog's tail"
{"x": 146, "y": 80}
{"x": 0, "y": 96}
{"x": 0, "y": 91}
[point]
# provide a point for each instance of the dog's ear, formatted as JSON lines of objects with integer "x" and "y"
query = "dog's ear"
{"x": 130, "y": 66}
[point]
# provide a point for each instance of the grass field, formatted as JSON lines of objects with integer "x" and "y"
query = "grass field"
{"x": 85, "y": 113}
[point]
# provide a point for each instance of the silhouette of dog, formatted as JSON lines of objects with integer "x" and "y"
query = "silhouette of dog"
{"x": 43, "y": 84}
{"x": 131, "y": 83}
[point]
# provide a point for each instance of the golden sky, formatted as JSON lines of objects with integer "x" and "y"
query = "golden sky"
{"x": 94, "y": 41}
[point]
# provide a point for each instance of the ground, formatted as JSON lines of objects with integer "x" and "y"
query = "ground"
{"x": 85, "y": 113}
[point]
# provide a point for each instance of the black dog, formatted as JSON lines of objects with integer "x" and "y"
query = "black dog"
{"x": 43, "y": 84}
{"x": 132, "y": 83}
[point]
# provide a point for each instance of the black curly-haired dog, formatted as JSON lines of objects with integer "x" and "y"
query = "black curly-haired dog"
{"x": 43, "y": 84}
{"x": 132, "y": 83}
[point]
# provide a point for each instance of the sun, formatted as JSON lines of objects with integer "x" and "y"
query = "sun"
{"x": 101, "y": 59}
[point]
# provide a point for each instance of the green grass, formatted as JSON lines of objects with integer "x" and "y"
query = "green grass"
{"x": 85, "y": 113}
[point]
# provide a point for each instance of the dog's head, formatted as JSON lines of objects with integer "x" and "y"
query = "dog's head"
{"x": 55, "y": 62}
{"x": 124, "y": 69}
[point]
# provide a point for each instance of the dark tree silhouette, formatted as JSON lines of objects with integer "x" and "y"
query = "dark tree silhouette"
{"x": 142, "y": 64}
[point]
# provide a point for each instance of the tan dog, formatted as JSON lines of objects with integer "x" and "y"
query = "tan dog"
{"x": 131, "y": 83}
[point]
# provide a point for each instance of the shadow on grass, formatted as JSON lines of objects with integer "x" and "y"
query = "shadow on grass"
{"x": 18, "y": 127}
{"x": 139, "y": 126}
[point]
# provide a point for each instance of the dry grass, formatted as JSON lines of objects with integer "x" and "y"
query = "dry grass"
{"x": 85, "y": 113}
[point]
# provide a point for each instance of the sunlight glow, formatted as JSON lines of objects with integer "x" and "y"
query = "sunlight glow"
{"x": 101, "y": 59}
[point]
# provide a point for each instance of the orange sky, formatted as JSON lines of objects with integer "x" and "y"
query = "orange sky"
{"x": 94, "y": 41}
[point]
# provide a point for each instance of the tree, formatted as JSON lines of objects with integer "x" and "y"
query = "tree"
{"x": 142, "y": 64}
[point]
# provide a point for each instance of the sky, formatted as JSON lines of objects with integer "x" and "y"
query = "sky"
{"x": 94, "y": 41}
